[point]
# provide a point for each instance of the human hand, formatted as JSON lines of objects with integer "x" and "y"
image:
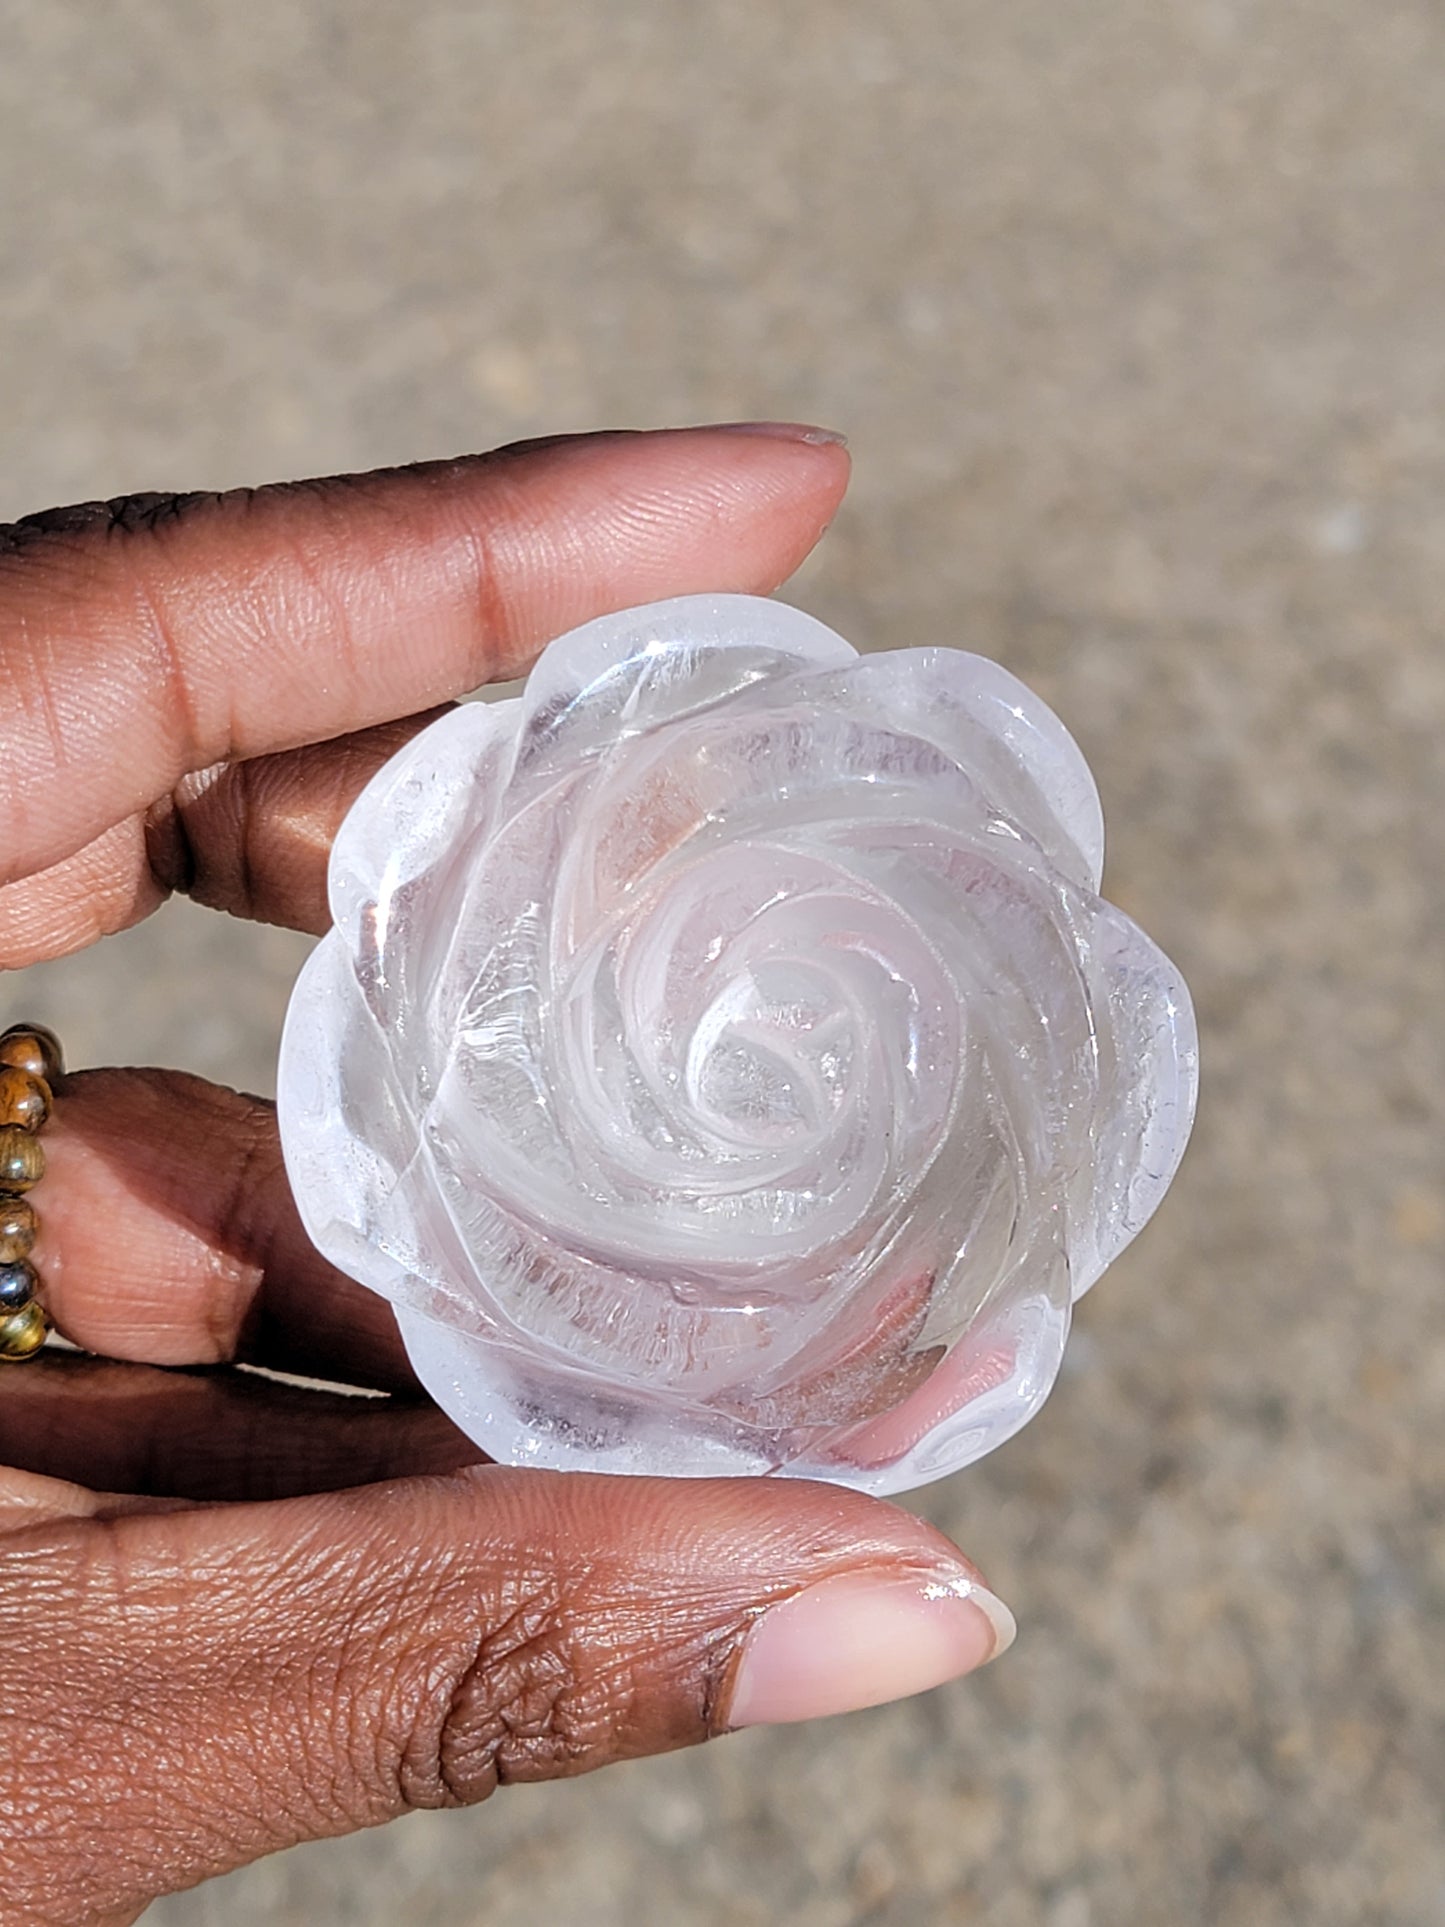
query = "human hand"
{"x": 237, "y": 1613}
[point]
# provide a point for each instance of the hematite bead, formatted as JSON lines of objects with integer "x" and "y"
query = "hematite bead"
{"x": 23, "y": 1332}
{"x": 17, "y": 1285}
{"x": 24, "y": 1098}
{"x": 17, "y": 1229}
{"x": 33, "y": 1048}
{"x": 22, "y": 1162}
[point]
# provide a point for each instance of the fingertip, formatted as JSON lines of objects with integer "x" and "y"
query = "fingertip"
{"x": 603, "y": 521}
{"x": 862, "y": 1639}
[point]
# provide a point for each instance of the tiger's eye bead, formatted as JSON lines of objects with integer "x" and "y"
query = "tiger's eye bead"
{"x": 17, "y": 1229}
{"x": 22, "y": 1161}
{"x": 33, "y": 1048}
{"x": 17, "y": 1285}
{"x": 24, "y": 1098}
{"x": 23, "y": 1332}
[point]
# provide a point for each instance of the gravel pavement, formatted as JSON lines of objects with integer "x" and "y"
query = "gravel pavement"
{"x": 1135, "y": 315}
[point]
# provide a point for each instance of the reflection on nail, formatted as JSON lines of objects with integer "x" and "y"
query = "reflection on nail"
{"x": 785, "y": 432}
{"x": 862, "y": 1638}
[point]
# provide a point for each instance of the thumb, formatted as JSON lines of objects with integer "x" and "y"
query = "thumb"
{"x": 188, "y": 1690}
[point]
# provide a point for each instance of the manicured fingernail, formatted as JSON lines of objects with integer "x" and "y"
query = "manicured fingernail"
{"x": 863, "y": 1638}
{"x": 785, "y": 432}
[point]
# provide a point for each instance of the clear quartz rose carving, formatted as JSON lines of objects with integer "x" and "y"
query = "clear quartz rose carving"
{"x": 722, "y": 1059}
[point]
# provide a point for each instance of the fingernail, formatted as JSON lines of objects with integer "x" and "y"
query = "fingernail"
{"x": 863, "y": 1638}
{"x": 784, "y": 432}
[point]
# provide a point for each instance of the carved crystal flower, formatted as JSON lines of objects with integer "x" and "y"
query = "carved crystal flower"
{"x": 722, "y": 1060}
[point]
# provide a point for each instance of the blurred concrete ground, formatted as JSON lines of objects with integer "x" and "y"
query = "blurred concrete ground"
{"x": 1135, "y": 314}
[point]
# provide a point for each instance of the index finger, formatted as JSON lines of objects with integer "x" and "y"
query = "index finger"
{"x": 143, "y": 639}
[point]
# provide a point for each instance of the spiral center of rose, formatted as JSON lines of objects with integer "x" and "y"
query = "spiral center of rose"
{"x": 770, "y": 1057}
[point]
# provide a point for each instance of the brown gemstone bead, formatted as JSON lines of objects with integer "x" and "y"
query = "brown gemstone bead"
{"x": 33, "y": 1048}
{"x": 22, "y": 1161}
{"x": 24, "y": 1098}
{"x": 17, "y": 1229}
{"x": 23, "y": 1332}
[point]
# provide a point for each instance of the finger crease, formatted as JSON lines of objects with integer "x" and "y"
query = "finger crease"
{"x": 225, "y": 1320}
{"x": 170, "y": 663}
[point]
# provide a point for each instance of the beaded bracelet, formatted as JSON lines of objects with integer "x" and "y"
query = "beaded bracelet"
{"x": 30, "y": 1061}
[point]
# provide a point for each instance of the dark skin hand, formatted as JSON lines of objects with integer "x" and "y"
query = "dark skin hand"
{"x": 236, "y": 1613}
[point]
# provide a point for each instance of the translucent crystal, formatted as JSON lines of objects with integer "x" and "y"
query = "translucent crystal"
{"x": 722, "y": 1059}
